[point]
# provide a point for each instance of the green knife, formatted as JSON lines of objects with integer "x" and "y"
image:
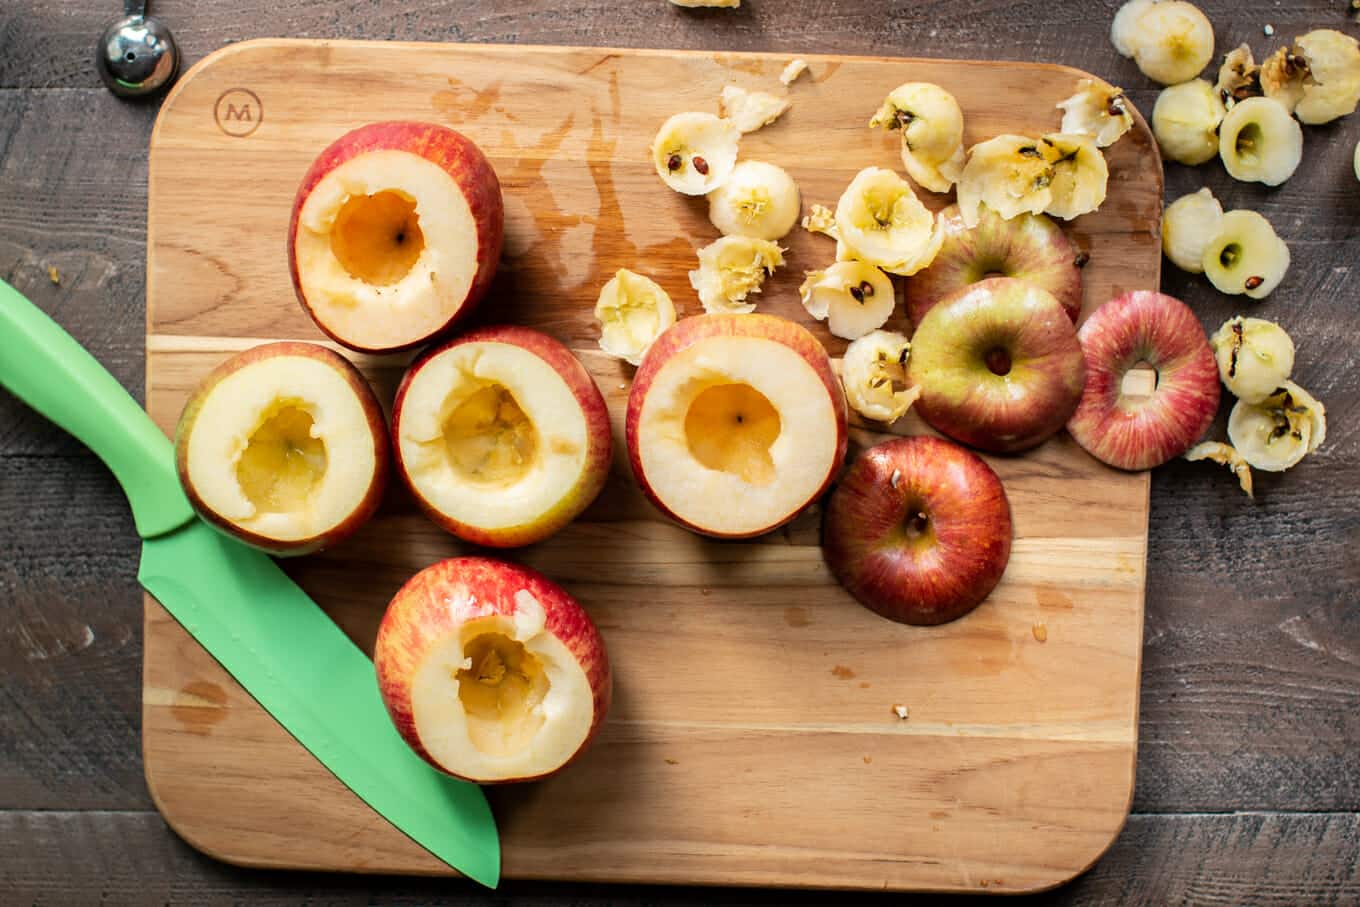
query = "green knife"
{"x": 241, "y": 607}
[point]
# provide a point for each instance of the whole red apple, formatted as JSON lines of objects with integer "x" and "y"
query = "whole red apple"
{"x": 919, "y": 530}
{"x": 395, "y": 234}
{"x": 491, "y": 672}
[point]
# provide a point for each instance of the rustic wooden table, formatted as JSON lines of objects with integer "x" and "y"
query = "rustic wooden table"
{"x": 1248, "y": 774}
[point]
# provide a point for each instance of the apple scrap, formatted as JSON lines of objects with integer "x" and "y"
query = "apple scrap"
{"x": 633, "y": 310}
{"x": 732, "y": 268}
{"x": 853, "y": 297}
{"x": 874, "y": 374}
{"x": 759, "y": 200}
{"x": 751, "y": 110}
{"x": 1097, "y": 110}
{"x": 930, "y": 122}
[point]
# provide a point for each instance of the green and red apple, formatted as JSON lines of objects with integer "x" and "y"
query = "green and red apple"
{"x": 501, "y": 435}
{"x": 735, "y": 423}
{"x": 998, "y": 364}
{"x": 490, "y": 671}
{"x": 1029, "y": 247}
{"x": 395, "y": 234}
{"x": 284, "y": 447}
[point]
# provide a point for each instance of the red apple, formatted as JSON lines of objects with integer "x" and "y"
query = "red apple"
{"x": 395, "y": 235}
{"x": 501, "y": 435}
{"x": 919, "y": 530}
{"x": 491, "y": 672}
{"x": 998, "y": 365}
{"x": 1140, "y": 431}
{"x": 284, "y": 447}
{"x": 735, "y": 423}
{"x": 1029, "y": 247}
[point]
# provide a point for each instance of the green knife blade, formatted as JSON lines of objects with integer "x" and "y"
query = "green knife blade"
{"x": 282, "y": 648}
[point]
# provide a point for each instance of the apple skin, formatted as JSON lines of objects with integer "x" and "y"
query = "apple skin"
{"x": 964, "y": 399}
{"x": 1144, "y": 326}
{"x": 688, "y": 331}
{"x": 1031, "y": 247}
{"x": 376, "y": 422}
{"x": 599, "y": 434}
{"x": 440, "y": 599}
{"x": 905, "y": 572}
{"x": 460, "y": 158}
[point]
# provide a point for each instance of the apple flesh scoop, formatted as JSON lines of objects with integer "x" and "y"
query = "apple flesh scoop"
{"x": 998, "y": 365}
{"x": 1029, "y": 247}
{"x": 502, "y": 436}
{"x": 490, "y": 671}
{"x": 285, "y": 447}
{"x": 1133, "y": 431}
{"x": 395, "y": 235}
{"x": 919, "y": 530}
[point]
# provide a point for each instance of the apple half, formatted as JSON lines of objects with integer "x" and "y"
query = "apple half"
{"x": 490, "y": 671}
{"x": 918, "y": 530}
{"x": 735, "y": 423}
{"x": 284, "y": 447}
{"x": 501, "y": 435}
{"x": 395, "y": 235}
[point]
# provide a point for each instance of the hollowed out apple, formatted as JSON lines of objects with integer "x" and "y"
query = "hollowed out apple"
{"x": 490, "y": 671}
{"x": 284, "y": 446}
{"x": 502, "y": 436}
{"x": 395, "y": 235}
{"x": 735, "y": 423}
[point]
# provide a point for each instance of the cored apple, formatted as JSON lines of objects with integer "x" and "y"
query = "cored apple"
{"x": 501, "y": 435}
{"x": 395, "y": 235}
{"x": 919, "y": 530}
{"x": 735, "y": 423}
{"x": 491, "y": 672}
{"x": 998, "y": 364}
{"x": 1028, "y": 247}
{"x": 284, "y": 447}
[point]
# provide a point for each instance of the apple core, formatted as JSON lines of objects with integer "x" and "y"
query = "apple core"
{"x": 501, "y": 688}
{"x": 284, "y": 461}
{"x": 488, "y": 437}
{"x": 731, "y": 427}
{"x": 377, "y": 238}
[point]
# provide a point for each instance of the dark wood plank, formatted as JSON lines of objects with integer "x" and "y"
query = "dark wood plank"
{"x": 73, "y": 193}
{"x": 131, "y": 857}
{"x": 60, "y": 33}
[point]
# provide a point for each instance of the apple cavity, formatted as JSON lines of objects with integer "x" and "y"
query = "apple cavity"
{"x": 284, "y": 447}
{"x": 1139, "y": 431}
{"x": 490, "y": 671}
{"x": 735, "y": 423}
{"x": 998, "y": 364}
{"x": 395, "y": 235}
{"x": 919, "y": 530}
{"x": 1028, "y": 247}
{"x": 501, "y": 435}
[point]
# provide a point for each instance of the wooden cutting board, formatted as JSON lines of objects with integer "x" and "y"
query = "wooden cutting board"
{"x": 753, "y": 739}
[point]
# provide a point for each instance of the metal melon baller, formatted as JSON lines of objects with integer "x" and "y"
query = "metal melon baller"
{"x": 136, "y": 55}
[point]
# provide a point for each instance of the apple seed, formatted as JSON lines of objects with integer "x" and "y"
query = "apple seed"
{"x": 701, "y": 165}
{"x": 674, "y": 162}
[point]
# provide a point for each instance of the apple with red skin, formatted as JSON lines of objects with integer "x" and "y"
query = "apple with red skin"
{"x": 501, "y": 435}
{"x": 998, "y": 364}
{"x": 735, "y": 423}
{"x": 1131, "y": 431}
{"x": 395, "y": 234}
{"x": 919, "y": 530}
{"x": 1030, "y": 247}
{"x": 490, "y": 671}
{"x": 285, "y": 447}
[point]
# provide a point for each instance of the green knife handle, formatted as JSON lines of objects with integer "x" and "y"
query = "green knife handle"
{"x": 45, "y": 367}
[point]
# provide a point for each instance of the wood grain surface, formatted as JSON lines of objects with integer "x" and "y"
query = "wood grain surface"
{"x": 1247, "y": 784}
{"x": 753, "y": 735}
